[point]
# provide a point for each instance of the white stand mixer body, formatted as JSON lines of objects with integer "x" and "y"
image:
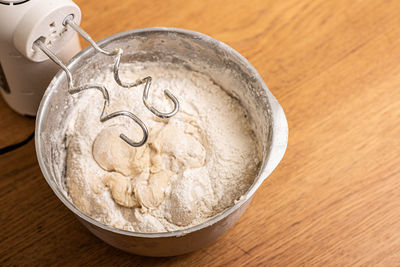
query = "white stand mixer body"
{"x": 25, "y": 72}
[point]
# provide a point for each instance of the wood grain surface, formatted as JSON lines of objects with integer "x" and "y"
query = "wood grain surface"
{"x": 335, "y": 198}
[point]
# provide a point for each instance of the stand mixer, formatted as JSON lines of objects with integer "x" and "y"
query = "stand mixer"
{"x": 35, "y": 31}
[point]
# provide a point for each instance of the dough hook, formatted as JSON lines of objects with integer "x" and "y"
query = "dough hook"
{"x": 147, "y": 80}
{"x": 72, "y": 89}
{"x": 104, "y": 114}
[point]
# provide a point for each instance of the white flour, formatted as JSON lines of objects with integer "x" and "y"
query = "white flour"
{"x": 193, "y": 166}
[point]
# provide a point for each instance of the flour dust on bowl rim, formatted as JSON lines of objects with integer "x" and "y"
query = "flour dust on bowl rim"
{"x": 197, "y": 52}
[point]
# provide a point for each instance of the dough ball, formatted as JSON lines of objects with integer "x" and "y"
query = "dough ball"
{"x": 122, "y": 190}
{"x": 182, "y": 212}
{"x": 153, "y": 194}
{"x": 182, "y": 205}
{"x": 183, "y": 146}
{"x": 114, "y": 154}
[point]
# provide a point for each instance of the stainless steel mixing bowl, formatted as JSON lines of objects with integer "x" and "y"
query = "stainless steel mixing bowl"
{"x": 197, "y": 52}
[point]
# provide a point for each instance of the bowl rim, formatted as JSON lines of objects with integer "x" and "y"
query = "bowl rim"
{"x": 262, "y": 175}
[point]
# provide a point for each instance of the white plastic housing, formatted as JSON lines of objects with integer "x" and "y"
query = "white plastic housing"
{"x": 45, "y": 20}
{"x": 26, "y": 71}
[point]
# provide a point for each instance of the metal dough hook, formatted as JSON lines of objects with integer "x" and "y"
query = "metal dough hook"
{"x": 104, "y": 116}
{"x": 68, "y": 21}
{"x": 147, "y": 80}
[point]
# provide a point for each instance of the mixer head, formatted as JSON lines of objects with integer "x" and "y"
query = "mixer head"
{"x": 26, "y": 71}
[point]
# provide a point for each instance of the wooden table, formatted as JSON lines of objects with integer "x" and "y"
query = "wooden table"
{"x": 334, "y": 199}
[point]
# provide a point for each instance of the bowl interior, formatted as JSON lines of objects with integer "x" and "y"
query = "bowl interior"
{"x": 192, "y": 50}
